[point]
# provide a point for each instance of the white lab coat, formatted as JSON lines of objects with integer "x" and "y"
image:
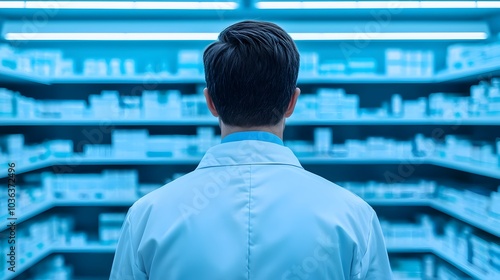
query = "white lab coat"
{"x": 250, "y": 211}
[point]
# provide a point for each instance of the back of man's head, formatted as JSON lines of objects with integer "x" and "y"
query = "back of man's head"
{"x": 251, "y": 73}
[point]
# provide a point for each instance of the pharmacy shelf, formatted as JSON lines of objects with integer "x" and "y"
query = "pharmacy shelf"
{"x": 85, "y": 248}
{"x": 318, "y": 159}
{"x": 145, "y": 79}
{"x": 30, "y": 262}
{"x": 462, "y": 264}
{"x": 473, "y": 74}
{"x": 475, "y": 168}
{"x": 115, "y": 122}
{"x": 143, "y": 160}
{"x": 95, "y": 202}
{"x": 9, "y": 76}
{"x": 39, "y": 208}
{"x": 494, "y": 121}
{"x": 410, "y": 246}
{"x": 45, "y": 252}
{"x": 79, "y": 160}
{"x": 486, "y": 224}
{"x": 26, "y": 213}
{"x": 24, "y": 167}
{"x": 392, "y": 247}
{"x": 436, "y": 247}
{"x": 398, "y": 201}
{"x": 484, "y": 71}
{"x": 489, "y": 225}
{"x": 464, "y": 75}
{"x": 363, "y": 79}
{"x": 489, "y": 121}
{"x": 305, "y": 159}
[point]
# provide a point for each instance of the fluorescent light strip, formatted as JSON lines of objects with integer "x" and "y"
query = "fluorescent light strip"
{"x": 390, "y": 36}
{"x": 12, "y": 4}
{"x": 325, "y": 5}
{"x": 186, "y": 5}
{"x": 488, "y": 4}
{"x": 79, "y": 5}
{"x": 213, "y": 36}
{"x": 112, "y": 5}
{"x": 447, "y": 4}
{"x": 388, "y": 4}
{"x": 376, "y": 4}
{"x": 111, "y": 36}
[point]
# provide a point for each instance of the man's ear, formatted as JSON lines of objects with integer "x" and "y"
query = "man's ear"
{"x": 210, "y": 103}
{"x": 293, "y": 102}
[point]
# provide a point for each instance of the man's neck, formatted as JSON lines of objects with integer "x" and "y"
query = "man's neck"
{"x": 275, "y": 129}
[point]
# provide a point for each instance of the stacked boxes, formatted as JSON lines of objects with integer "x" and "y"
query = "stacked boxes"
{"x": 129, "y": 142}
{"x": 105, "y": 106}
{"x": 462, "y": 149}
{"x": 131, "y": 107}
{"x": 322, "y": 140}
{"x": 408, "y": 232}
{"x": 7, "y": 108}
{"x": 328, "y": 103}
{"x": 109, "y": 185}
{"x": 494, "y": 204}
{"x": 309, "y": 62}
{"x": 494, "y": 251}
{"x": 52, "y": 267}
{"x": 448, "y": 106}
{"x": 370, "y": 190}
{"x": 12, "y": 145}
{"x": 401, "y": 63}
{"x": 332, "y": 67}
{"x": 190, "y": 63}
{"x": 110, "y": 226}
{"x": 479, "y": 253}
{"x": 336, "y": 104}
{"x": 361, "y": 66}
{"x": 463, "y": 56}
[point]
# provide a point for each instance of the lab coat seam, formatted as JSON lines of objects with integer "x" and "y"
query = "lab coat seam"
{"x": 134, "y": 247}
{"x": 367, "y": 242}
{"x": 249, "y": 223}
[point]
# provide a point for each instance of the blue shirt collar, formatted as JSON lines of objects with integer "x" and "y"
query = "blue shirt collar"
{"x": 252, "y": 135}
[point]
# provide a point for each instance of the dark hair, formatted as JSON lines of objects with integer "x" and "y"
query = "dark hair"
{"x": 251, "y": 73}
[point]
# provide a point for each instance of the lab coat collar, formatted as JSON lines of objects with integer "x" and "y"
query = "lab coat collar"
{"x": 248, "y": 152}
{"x": 253, "y": 135}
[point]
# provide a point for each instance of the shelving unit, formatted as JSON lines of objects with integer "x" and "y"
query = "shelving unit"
{"x": 28, "y": 212}
{"x": 464, "y": 75}
{"x": 429, "y": 246}
{"x": 463, "y": 265}
{"x": 480, "y": 121}
{"x": 437, "y": 249}
{"x": 423, "y": 246}
{"x": 29, "y": 263}
{"x": 324, "y": 160}
{"x": 374, "y": 86}
{"x": 11, "y": 76}
{"x": 488, "y": 225}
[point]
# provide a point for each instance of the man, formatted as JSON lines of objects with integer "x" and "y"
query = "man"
{"x": 249, "y": 210}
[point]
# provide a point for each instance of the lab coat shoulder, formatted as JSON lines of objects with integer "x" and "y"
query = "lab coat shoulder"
{"x": 359, "y": 220}
{"x": 166, "y": 199}
{"x": 141, "y": 229}
{"x": 339, "y": 195}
